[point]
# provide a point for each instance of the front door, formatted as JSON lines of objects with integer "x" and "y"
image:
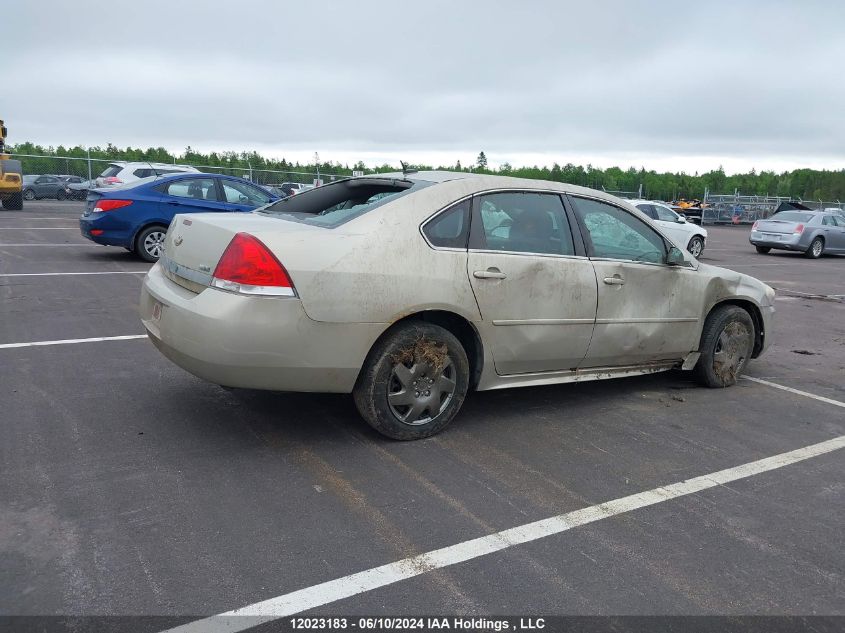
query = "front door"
{"x": 647, "y": 310}
{"x": 536, "y": 294}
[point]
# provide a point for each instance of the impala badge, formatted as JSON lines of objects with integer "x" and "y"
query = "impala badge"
{"x": 178, "y": 240}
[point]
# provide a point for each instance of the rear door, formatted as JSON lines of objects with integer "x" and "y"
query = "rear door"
{"x": 190, "y": 195}
{"x": 536, "y": 291}
{"x": 647, "y": 311}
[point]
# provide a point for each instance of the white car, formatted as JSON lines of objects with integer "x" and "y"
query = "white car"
{"x": 120, "y": 172}
{"x": 690, "y": 236}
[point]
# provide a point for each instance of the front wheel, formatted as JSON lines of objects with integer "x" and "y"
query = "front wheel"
{"x": 696, "y": 246}
{"x": 413, "y": 382}
{"x": 763, "y": 249}
{"x": 727, "y": 343}
{"x": 816, "y": 249}
{"x": 14, "y": 202}
{"x": 149, "y": 245}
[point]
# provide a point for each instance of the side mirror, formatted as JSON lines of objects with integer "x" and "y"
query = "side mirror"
{"x": 681, "y": 219}
{"x": 675, "y": 257}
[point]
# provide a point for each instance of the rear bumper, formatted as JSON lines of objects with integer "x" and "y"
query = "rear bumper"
{"x": 253, "y": 342}
{"x": 115, "y": 232}
{"x": 787, "y": 242}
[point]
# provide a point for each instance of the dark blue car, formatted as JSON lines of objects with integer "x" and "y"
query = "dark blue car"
{"x": 136, "y": 216}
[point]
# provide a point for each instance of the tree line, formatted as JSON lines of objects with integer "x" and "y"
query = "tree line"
{"x": 808, "y": 184}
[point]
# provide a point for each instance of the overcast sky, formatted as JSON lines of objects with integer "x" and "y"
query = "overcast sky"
{"x": 665, "y": 85}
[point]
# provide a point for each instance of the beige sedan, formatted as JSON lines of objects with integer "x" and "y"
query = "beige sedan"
{"x": 409, "y": 290}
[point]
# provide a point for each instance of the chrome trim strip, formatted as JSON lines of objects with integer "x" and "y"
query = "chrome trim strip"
{"x": 543, "y": 321}
{"x": 647, "y": 320}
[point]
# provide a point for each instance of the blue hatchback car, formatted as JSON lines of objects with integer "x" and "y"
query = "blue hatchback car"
{"x": 136, "y": 216}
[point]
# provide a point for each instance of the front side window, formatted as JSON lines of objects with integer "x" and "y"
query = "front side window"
{"x": 524, "y": 222}
{"x": 242, "y": 193}
{"x": 196, "y": 188}
{"x": 449, "y": 229}
{"x": 616, "y": 234}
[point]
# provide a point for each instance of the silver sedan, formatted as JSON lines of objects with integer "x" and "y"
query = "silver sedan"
{"x": 410, "y": 290}
{"x": 813, "y": 233}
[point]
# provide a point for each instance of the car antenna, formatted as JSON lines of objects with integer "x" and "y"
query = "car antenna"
{"x": 406, "y": 169}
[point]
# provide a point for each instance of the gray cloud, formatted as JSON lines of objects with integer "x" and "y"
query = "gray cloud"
{"x": 754, "y": 80}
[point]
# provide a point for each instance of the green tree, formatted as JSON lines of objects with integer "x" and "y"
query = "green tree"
{"x": 481, "y": 161}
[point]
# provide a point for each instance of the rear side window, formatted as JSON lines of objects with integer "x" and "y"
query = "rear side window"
{"x": 449, "y": 229}
{"x": 648, "y": 210}
{"x": 143, "y": 173}
{"x": 338, "y": 202}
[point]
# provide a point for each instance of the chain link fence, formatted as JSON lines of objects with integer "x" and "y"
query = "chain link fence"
{"x": 739, "y": 209}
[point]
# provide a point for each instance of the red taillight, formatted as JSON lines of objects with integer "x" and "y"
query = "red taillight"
{"x": 247, "y": 266}
{"x": 798, "y": 230}
{"x": 113, "y": 180}
{"x": 754, "y": 226}
{"x": 111, "y": 205}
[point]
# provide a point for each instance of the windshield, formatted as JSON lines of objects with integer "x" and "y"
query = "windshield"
{"x": 333, "y": 204}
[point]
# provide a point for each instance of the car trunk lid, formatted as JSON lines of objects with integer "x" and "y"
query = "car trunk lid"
{"x": 196, "y": 242}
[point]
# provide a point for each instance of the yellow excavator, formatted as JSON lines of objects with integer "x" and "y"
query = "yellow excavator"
{"x": 11, "y": 176}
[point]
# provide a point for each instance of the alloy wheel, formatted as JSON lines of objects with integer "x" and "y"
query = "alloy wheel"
{"x": 419, "y": 393}
{"x": 732, "y": 350}
{"x": 154, "y": 243}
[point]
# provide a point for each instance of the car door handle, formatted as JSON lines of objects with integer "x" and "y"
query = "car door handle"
{"x": 616, "y": 280}
{"x": 490, "y": 273}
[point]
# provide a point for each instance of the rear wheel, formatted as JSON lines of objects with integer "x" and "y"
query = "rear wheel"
{"x": 696, "y": 246}
{"x": 816, "y": 249}
{"x": 726, "y": 345}
{"x": 29, "y": 194}
{"x": 149, "y": 244}
{"x": 60, "y": 194}
{"x": 413, "y": 382}
{"x": 763, "y": 249}
{"x": 14, "y": 202}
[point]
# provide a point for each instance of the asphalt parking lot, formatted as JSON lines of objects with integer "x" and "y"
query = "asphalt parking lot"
{"x": 129, "y": 487}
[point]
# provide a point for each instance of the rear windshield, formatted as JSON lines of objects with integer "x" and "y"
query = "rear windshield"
{"x": 793, "y": 216}
{"x": 111, "y": 170}
{"x": 338, "y": 202}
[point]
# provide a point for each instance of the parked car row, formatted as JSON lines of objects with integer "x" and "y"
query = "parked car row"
{"x": 813, "y": 233}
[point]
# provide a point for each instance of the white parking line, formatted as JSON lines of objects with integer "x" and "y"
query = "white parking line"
{"x": 100, "y": 272}
{"x": 806, "y": 394}
{"x": 14, "y": 217}
{"x": 39, "y": 228}
{"x": 72, "y": 341}
{"x": 370, "y": 579}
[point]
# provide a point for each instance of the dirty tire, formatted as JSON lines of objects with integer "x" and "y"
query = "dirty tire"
{"x": 763, "y": 250}
{"x": 29, "y": 194}
{"x": 696, "y": 246}
{"x": 816, "y": 249}
{"x": 149, "y": 243}
{"x": 14, "y": 202}
{"x": 726, "y": 346}
{"x": 394, "y": 373}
